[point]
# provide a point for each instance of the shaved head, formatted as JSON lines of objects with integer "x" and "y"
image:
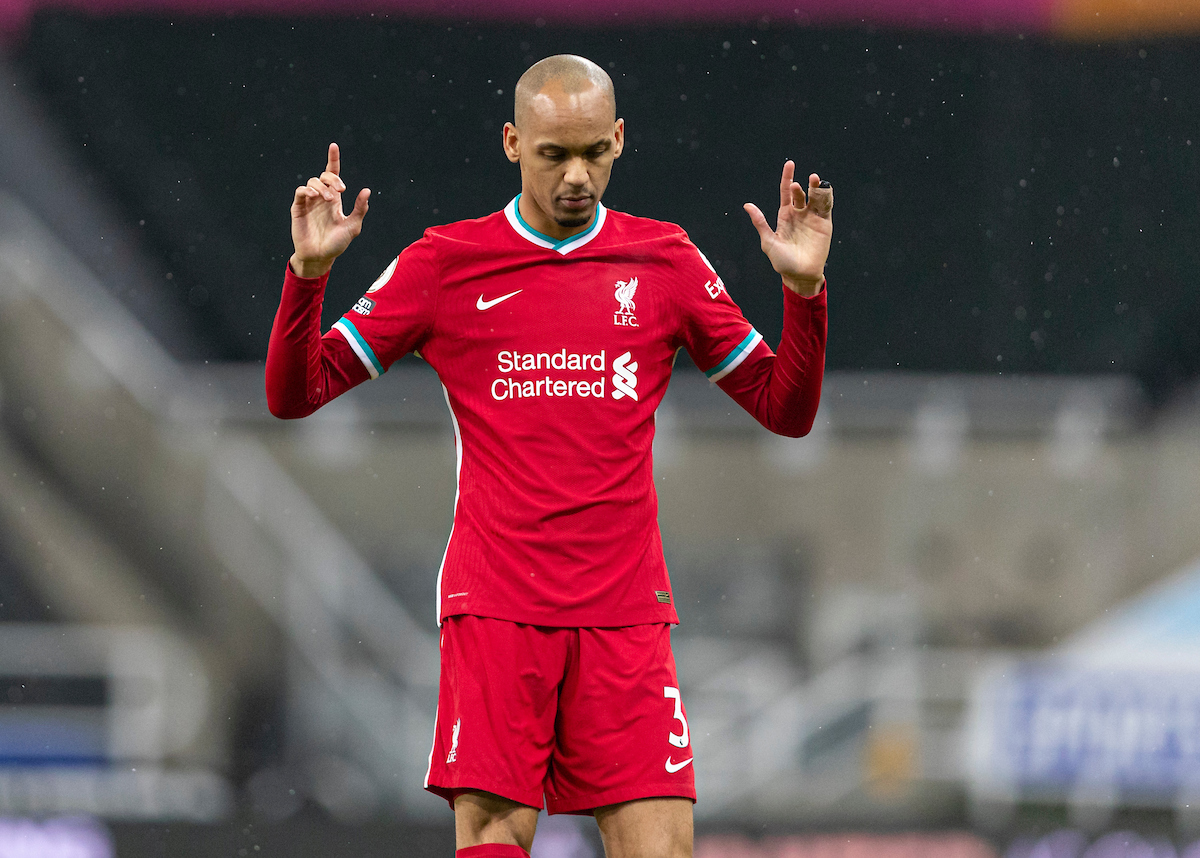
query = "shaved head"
{"x": 567, "y": 72}
{"x": 565, "y": 135}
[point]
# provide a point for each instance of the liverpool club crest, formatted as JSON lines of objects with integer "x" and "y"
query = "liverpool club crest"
{"x": 624, "y": 317}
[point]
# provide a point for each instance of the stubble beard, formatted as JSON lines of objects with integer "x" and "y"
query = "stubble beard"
{"x": 573, "y": 219}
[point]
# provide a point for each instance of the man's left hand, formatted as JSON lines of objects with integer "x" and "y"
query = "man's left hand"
{"x": 799, "y": 245}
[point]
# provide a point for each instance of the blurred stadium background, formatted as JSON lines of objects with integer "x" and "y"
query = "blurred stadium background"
{"x": 961, "y": 619}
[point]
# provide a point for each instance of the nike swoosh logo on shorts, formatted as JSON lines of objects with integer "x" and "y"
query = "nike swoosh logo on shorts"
{"x": 487, "y": 305}
{"x": 673, "y": 767}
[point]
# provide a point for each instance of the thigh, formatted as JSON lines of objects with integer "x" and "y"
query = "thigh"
{"x": 481, "y": 817}
{"x": 649, "y": 828}
{"x": 497, "y": 704}
{"x": 621, "y": 730}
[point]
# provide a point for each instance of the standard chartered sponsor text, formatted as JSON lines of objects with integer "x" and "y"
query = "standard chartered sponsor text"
{"x": 563, "y": 360}
{"x": 508, "y": 361}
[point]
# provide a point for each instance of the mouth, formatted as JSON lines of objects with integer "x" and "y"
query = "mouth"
{"x": 575, "y": 203}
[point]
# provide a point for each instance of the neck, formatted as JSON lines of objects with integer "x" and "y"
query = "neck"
{"x": 539, "y": 221}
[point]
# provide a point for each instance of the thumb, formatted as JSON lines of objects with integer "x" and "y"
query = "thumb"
{"x": 360, "y": 208}
{"x": 759, "y": 220}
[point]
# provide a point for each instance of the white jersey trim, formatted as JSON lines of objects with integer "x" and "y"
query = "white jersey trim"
{"x": 360, "y": 346}
{"x": 523, "y": 229}
{"x": 458, "y": 452}
{"x": 429, "y": 767}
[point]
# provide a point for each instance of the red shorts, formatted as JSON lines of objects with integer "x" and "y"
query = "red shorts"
{"x": 587, "y": 716}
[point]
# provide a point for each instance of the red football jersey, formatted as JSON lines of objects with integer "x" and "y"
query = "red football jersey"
{"x": 554, "y": 356}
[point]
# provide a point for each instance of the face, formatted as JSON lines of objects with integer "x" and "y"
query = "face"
{"x": 565, "y": 146}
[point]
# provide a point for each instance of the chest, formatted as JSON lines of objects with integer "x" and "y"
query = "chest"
{"x": 544, "y": 306}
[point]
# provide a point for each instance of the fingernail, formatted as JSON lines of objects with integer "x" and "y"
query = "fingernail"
{"x": 825, "y": 184}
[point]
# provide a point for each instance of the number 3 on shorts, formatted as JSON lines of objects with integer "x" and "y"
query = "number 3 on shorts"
{"x": 679, "y": 741}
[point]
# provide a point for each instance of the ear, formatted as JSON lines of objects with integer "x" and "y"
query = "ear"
{"x": 512, "y": 144}
{"x": 618, "y": 138}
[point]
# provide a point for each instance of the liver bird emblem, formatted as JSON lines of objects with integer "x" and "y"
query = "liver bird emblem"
{"x": 624, "y": 295}
{"x": 453, "y": 755}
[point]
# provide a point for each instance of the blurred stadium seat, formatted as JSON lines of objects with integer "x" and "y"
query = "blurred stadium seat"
{"x": 1005, "y": 456}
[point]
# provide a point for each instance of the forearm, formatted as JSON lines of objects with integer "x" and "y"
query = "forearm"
{"x": 305, "y": 370}
{"x": 782, "y": 391}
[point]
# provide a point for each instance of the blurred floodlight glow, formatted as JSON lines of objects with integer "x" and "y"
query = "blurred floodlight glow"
{"x": 75, "y": 837}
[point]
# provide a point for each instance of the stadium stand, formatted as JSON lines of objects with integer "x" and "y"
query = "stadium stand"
{"x": 844, "y": 597}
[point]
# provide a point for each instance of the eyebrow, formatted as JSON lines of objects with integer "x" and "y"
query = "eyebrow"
{"x": 604, "y": 143}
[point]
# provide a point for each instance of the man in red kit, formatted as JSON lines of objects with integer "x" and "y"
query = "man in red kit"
{"x": 553, "y": 325}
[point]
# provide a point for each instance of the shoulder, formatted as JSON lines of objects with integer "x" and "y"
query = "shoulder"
{"x": 459, "y": 242}
{"x": 658, "y": 239}
{"x": 629, "y": 228}
{"x": 649, "y": 239}
{"x": 478, "y": 230}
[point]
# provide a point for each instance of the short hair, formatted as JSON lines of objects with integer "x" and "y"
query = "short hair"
{"x": 573, "y": 73}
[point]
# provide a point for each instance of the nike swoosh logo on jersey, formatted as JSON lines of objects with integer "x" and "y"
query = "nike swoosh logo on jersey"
{"x": 487, "y": 305}
{"x": 673, "y": 767}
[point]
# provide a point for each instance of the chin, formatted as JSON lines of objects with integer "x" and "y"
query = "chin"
{"x": 573, "y": 221}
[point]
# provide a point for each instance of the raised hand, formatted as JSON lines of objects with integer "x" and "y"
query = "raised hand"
{"x": 799, "y": 245}
{"x": 321, "y": 231}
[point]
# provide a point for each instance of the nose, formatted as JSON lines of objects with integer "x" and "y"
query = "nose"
{"x": 577, "y": 173}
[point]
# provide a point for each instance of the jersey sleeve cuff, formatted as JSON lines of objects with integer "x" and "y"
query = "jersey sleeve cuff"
{"x": 291, "y": 278}
{"x": 788, "y": 294}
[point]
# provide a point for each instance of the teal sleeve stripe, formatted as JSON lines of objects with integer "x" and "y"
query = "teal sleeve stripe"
{"x": 735, "y": 357}
{"x": 361, "y": 347}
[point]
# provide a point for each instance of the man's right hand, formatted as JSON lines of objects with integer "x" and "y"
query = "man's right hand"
{"x": 320, "y": 230}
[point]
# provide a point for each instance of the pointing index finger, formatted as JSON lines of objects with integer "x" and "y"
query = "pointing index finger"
{"x": 334, "y": 164}
{"x": 785, "y": 183}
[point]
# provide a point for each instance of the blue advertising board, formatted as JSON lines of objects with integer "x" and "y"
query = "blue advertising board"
{"x": 1059, "y": 727}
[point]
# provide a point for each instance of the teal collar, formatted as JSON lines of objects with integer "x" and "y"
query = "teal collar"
{"x": 512, "y": 211}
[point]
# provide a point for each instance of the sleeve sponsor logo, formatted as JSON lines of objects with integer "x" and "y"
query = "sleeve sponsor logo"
{"x": 364, "y": 306}
{"x": 713, "y": 287}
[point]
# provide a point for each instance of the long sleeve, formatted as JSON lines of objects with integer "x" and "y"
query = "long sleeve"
{"x": 304, "y": 369}
{"x": 782, "y": 390}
